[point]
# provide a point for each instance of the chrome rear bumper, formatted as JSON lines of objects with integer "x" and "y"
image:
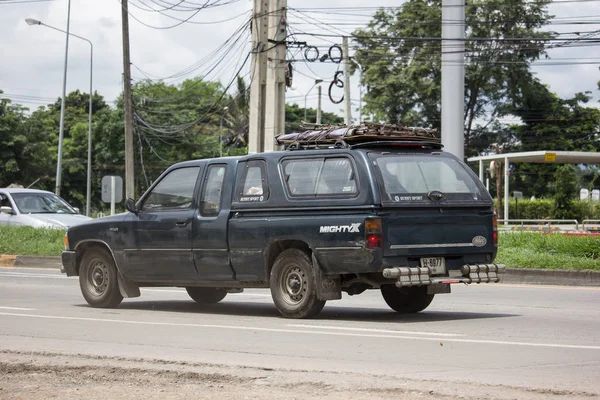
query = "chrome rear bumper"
{"x": 471, "y": 273}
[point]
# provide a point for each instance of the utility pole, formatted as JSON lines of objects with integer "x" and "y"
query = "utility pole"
{"x": 453, "y": 76}
{"x": 499, "y": 171}
{"x": 348, "y": 102}
{"x": 61, "y": 128}
{"x": 319, "y": 106}
{"x": 258, "y": 83}
{"x": 276, "y": 66}
{"x": 129, "y": 176}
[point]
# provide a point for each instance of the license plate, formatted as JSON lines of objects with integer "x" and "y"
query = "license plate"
{"x": 437, "y": 265}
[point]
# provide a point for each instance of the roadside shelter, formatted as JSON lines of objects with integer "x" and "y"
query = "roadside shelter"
{"x": 538, "y": 157}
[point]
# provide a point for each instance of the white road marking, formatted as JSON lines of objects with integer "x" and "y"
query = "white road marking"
{"x": 312, "y": 332}
{"x": 344, "y": 328}
{"x": 26, "y": 275}
{"x": 17, "y": 308}
{"x": 184, "y": 292}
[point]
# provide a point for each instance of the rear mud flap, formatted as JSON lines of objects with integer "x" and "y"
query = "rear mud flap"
{"x": 127, "y": 288}
{"x": 328, "y": 287}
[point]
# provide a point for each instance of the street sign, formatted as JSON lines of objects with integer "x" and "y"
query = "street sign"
{"x": 107, "y": 188}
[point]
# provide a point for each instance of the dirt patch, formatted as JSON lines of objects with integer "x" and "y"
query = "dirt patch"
{"x": 37, "y": 376}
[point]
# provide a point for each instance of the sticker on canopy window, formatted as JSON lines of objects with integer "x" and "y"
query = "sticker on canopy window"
{"x": 408, "y": 198}
{"x": 252, "y": 198}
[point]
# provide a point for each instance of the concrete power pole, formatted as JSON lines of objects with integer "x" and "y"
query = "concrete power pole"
{"x": 129, "y": 176}
{"x": 453, "y": 76}
{"x": 260, "y": 29}
{"x": 347, "y": 99}
{"x": 276, "y": 66}
{"x": 318, "y": 121}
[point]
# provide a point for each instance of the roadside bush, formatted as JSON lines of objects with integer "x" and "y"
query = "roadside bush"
{"x": 530, "y": 209}
{"x": 545, "y": 209}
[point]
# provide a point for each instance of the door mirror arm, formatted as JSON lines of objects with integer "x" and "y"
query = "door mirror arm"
{"x": 130, "y": 206}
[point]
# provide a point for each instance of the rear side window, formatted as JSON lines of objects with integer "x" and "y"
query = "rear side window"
{"x": 320, "y": 177}
{"x": 412, "y": 177}
{"x": 252, "y": 183}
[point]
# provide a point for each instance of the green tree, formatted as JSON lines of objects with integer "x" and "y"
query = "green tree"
{"x": 13, "y": 142}
{"x": 294, "y": 115}
{"x": 403, "y": 63}
{"x": 565, "y": 190}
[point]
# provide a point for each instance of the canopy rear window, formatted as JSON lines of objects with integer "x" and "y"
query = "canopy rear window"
{"x": 411, "y": 177}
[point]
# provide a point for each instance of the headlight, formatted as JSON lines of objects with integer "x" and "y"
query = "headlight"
{"x": 66, "y": 241}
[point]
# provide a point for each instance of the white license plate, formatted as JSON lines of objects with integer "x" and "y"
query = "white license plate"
{"x": 437, "y": 265}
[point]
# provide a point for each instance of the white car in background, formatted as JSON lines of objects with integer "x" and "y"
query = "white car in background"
{"x": 37, "y": 208}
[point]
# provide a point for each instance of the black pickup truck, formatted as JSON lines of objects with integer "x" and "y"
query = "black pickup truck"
{"x": 309, "y": 223}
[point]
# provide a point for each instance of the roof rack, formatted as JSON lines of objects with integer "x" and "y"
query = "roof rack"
{"x": 363, "y": 135}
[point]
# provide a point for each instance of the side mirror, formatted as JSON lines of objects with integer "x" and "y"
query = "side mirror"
{"x": 6, "y": 210}
{"x": 130, "y": 206}
{"x": 76, "y": 210}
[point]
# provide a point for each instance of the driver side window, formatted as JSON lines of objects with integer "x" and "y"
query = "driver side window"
{"x": 174, "y": 192}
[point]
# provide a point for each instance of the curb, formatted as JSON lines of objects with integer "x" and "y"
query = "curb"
{"x": 557, "y": 277}
{"x": 30, "y": 262}
{"x": 551, "y": 277}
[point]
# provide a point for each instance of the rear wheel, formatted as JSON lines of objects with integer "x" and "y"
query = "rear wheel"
{"x": 202, "y": 295}
{"x": 293, "y": 285}
{"x": 98, "y": 279}
{"x": 406, "y": 299}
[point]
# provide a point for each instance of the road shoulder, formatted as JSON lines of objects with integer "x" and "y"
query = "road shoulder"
{"x": 42, "y": 375}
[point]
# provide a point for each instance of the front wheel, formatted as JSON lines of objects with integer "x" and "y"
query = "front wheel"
{"x": 293, "y": 285}
{"x": 202, "y": 295}
{"x": 406, "y": 299}
{"x": 98, "y": 279}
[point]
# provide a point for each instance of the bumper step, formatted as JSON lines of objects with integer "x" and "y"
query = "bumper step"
{"x": 471, "y": 273}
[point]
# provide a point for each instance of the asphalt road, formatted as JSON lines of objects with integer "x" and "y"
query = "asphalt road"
{"x": 519, "y": 336}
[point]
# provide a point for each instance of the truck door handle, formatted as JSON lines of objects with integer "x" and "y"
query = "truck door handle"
{"x": 181, "y": 222}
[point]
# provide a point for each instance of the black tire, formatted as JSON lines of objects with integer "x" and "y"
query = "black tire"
{"x": 406, "y": 299}
{"x": 203, "y": 295}
{"x": 98, "y": 279}
{"x": 293, "y": 285}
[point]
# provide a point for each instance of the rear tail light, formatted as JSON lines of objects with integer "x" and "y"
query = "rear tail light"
{"x": 66, "y": 242}
{"x": 495, "y": 229}
{"x": 373, "y": 233}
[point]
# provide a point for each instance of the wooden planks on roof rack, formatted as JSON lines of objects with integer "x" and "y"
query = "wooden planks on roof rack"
{"x": 357, "y": 133}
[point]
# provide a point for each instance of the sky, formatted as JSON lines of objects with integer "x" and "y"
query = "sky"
{"x": 32, "y": 57}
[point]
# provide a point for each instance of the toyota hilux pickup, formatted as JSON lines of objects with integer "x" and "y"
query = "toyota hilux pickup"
{"x": 339, "y": 210}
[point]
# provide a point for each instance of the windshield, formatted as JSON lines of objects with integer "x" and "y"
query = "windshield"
{"x": 410, "y": 178}
{"x": 41, "y": 203}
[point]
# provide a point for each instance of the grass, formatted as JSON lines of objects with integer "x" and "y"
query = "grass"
{"x": 27, "y": 241}
{"x": 543, "y": 251}
{"x": 516, "y": 250}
